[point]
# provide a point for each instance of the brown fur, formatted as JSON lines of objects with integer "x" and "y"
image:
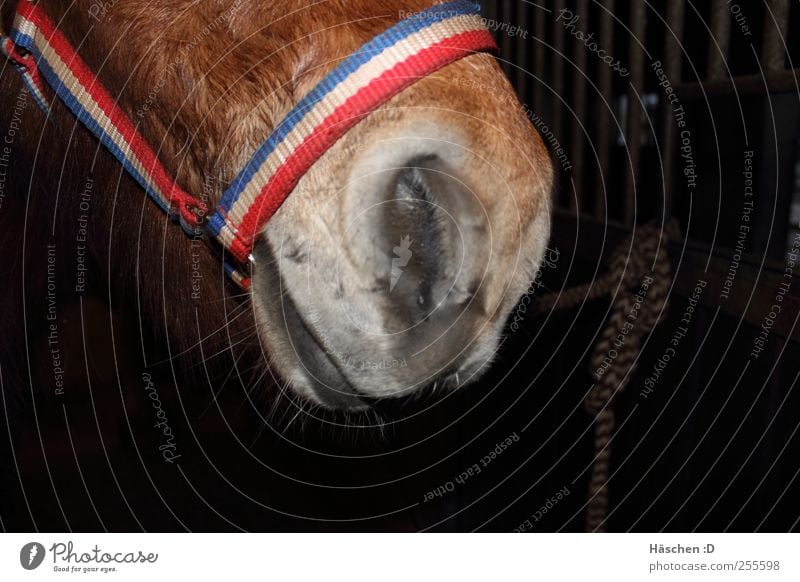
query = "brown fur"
{"x": 216, "y": 101}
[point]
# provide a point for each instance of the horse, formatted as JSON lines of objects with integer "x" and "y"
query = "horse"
{"x": 393, "y": 266}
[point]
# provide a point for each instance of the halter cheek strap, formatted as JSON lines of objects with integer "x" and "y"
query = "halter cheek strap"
{"x": 39, "y": 50}
{"x": 413, "y": 49}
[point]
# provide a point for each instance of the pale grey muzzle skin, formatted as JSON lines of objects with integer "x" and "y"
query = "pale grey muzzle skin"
{"x": 394, "y": 279}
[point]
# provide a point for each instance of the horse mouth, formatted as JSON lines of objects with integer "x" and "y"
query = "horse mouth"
{"x": 326, "y": 373}
{"x": 321, "y": 372}
{"x": 334, "y": 379}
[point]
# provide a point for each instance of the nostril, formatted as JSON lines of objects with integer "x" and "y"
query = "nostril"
{"x": 431, "y": 236}
{"x": 422, "y": 243}
{"x": 432, "y": 222}
{"x": 419, "y": 237}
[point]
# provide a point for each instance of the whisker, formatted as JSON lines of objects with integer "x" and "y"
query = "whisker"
{"x": 252, "y": 388}
{"x": 248, "y": 333}
{"x": 299, "y": 411}
{"x": 246, "y": 294}
{"x": 221, "y": 386}
{"x": 199, "y": 342}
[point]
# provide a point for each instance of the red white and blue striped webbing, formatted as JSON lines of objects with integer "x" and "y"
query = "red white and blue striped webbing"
{"x": 414, "y": 48}
{"x": 45, "y": 52}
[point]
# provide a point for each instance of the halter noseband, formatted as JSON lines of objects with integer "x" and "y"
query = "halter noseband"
{"x": 413, "y": 49}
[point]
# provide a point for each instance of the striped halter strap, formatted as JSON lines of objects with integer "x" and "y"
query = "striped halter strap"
{"x": 416, "y": 47}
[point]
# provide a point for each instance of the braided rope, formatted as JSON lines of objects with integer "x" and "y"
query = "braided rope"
{"x": 638, "y": 282}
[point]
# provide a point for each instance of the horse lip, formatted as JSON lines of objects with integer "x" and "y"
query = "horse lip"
{"x": 314, "y": 371}
{"x": 328, "y": 380}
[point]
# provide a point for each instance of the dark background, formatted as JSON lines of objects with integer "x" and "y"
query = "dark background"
{"x": 714, "y": 448}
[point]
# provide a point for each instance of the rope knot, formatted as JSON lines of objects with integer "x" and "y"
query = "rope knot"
{"x": 20, "y": 57}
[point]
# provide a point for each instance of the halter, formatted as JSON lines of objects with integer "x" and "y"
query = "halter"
{"x": 413, "y": 49}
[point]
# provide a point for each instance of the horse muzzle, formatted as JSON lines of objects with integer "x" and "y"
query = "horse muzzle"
{"x": 398, "y": 279}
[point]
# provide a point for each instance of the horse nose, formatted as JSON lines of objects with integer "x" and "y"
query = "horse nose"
{"x": 428, "y": 249}
{"x": 430, "y": 263}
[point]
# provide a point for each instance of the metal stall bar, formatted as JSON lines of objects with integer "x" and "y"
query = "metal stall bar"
{"x": 604, "y": 112}
{"x": 506, "y": 46}
{"x": 720, "y": 40}
{"x": 673, "y": 67}
{"x": 538, "y": 58}
{"x": 773, "y": 51}
{"x": 522, "y": 20}
{"x": 558, "y": 69}
{"x": 633, "y": 139}
{"x": 577, "y": 139}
